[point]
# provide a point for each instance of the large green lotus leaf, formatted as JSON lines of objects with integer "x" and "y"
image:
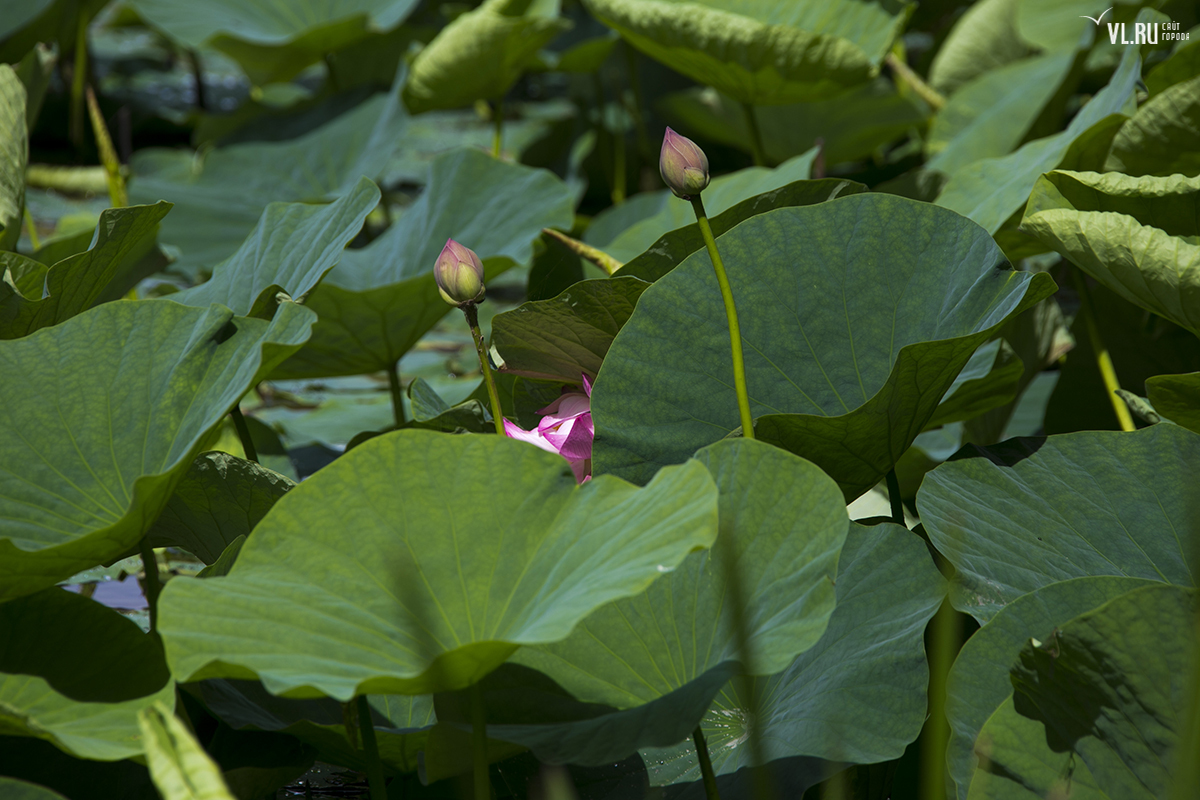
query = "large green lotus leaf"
{"x": 978, "y": 684}
{"x": 100, "y": 418}
{"x": 1060, "y": 25}
{"x": 852, "y": 124}
{"x": 211, "y": 220}
{"x": 290, "y": 250}
{"x": 1140, "y": 237}
{"x": 849, "y": 366}
{"x": 481, "y": 54}
{"x": 991, "y": 378}
{"x": 761, "y": 52}
{"x": 1183, "y": 64}
{"x": 381, "y": 299}
{"x": 123, "y": 238}
{"x": 178, "y": 764}
{"x": 220, "y": 498}
{"x": 1109, "y": 685}
{"x": 1031, "y": 512}
{"x": 990, "y": 115}
{"x": 402, "y": 723}
{"x": 14, "y": 789}
{"x": 661, "y": 656}
{"x": 569, "y": 335}
{"x": 990, "y": 190}
{"x": 858, "y": 696}
{"x": 1177, "y": 397}
{"x": 985, "y": 38}
{"x": 273, "y": 41}
{"x": 673, "y": 247}
{"x": 434, "y": 594}
{"x": 628, "y": 229}
{"x": 75, "y": 673}
{"x": 1163, "y": 137}
{"x": 14, "y": 153}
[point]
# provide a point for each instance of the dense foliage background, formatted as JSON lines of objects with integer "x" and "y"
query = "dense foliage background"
{"x": 956, "y": 558}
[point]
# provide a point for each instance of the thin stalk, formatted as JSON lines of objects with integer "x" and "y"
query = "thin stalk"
{"x": 945, "y": 636}
{"x": 893, "y": 484}
{"x": 756, "y": 140}
{"x": 1103, "y": 360}
{"x": 117, "y": 193}
{"x": 31, "y": 227}
{"x": 598, "y": 257}
{"x": 472, "y": 315}
{"x": 923, "y": 89}
{"x": 78, "y": 81}
{"x": 639, "y": 122}
{"x": 397, "y": 396}
{"x": 498, "y": 130}
{"x": 375, "y": 775}
{"x": 618, "y": 190}
{"x": 735, "y": 332}
{"x": 153, "y": 585}
{"x": 198, "y": 76}
{"x": 243, "y": 432}
{"x": 483, "y": 784}
{"x": 706, "y": 769}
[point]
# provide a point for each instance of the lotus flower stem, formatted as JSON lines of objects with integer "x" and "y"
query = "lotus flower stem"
{"x": 923, "y": 89}
{"x": 397, "y": 394}
{"x": 117, "y": 194}
{"x": 598, "y": 257}
{"x": 472, "y": 315}
{"x": 1103, "y": 360}
{"x": 243, "y": 432}
{"x": 945, "y": 638}
{"x": 78, "y": 82}
{"x": 483, "y": 784}
{"x": 735, "y": 333}
{"x": 366, "y": 728}
{"x": 153, "y": 586}
{"x": 706, "y": 769}
{"x": 498, "y": 130}
{"x": 893, "y": 484}
{"x": 756, "y": 140}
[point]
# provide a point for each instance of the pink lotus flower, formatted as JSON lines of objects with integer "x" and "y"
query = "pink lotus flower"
{"x": 566, "y": 428}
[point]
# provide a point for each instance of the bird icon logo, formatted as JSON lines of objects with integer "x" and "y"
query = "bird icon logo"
{"x": 1097, "y": 19}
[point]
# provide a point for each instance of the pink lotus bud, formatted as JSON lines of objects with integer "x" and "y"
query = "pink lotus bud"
{"x": 459, "y": 274}
{"x": 683, "y": 165}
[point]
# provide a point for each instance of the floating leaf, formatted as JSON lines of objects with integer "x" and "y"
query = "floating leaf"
{"x": 1106, "y": 689}
{"x": 522, "y": 569}
{"x": 220, "y": 498}
{"x": 14, "y": 153}
{"x": 481, "y": 54}
{"x": 661, "y": 656}
{"x": 381, "y": 299}
{"x": 858, "y": 696}
{"x": 1030, "y": 512}
{"x": 1140, "y": 237}
{"x": 761, "y": 52}
{"x": 290, "y": 250}
{"x": 124, "y": 237}
{"x": 850, "y": 367}
{"x": 75, "y": 674}
{"x": 979, "y": 683}
{"x": 105, "y": 413}
{"x": 990, "y": 190}
{"x": 179, "y": 767}
{"x": 273, "y": 42}
{"x": 568, "y": 336}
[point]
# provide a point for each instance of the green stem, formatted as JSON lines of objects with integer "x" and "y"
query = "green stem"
{"x": 153, "y": 584}
{"x": 893, "y": 484}
{"x": 598, "y": 257}
{"x": 923, "y": 90}
{"x": 639, "y": 122}
{"x": 1103, "y": 360}
{"x": 117, "y": 193}
{"x": 198, "y": 76}
{"x": 472, "y": 315}
{"x": 498, "y": 131}
{"x": 483, "y": 784}
{"x": 945, "y": 637}
{"x": 78, "y": 81}
{"x": 756, "y": 140}
{"x": 618, "y": 191}
{"x": 706, "y": 770}
{"x": 243, "y": 431}
{"x": 397, "y": 395}
{"x": 371, "y": 750}
{"x": 735, "y": 333}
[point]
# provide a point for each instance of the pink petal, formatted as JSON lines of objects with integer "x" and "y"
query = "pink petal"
{"x": 578, "y": 442}
{"x": 587, "y": 386}
{"x": 582, "y": 469}
{"x": 515, "y": 431}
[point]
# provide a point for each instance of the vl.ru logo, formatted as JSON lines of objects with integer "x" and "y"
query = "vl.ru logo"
{"x": 1143, "y": 32}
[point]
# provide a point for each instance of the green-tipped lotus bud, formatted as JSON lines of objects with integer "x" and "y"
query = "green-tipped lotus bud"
{"x": 683, "y": 165}
{"x": 459, "y": 274}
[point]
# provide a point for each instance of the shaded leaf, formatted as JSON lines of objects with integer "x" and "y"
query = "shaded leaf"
{"x": 991, "y": 378}
{"x": 179, "y": 767}
{"x": 22, "y": 790}
{"x": 1177, "y": 397}
{"x": 14, "y": 153}
{"x": 984, "y": 38}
